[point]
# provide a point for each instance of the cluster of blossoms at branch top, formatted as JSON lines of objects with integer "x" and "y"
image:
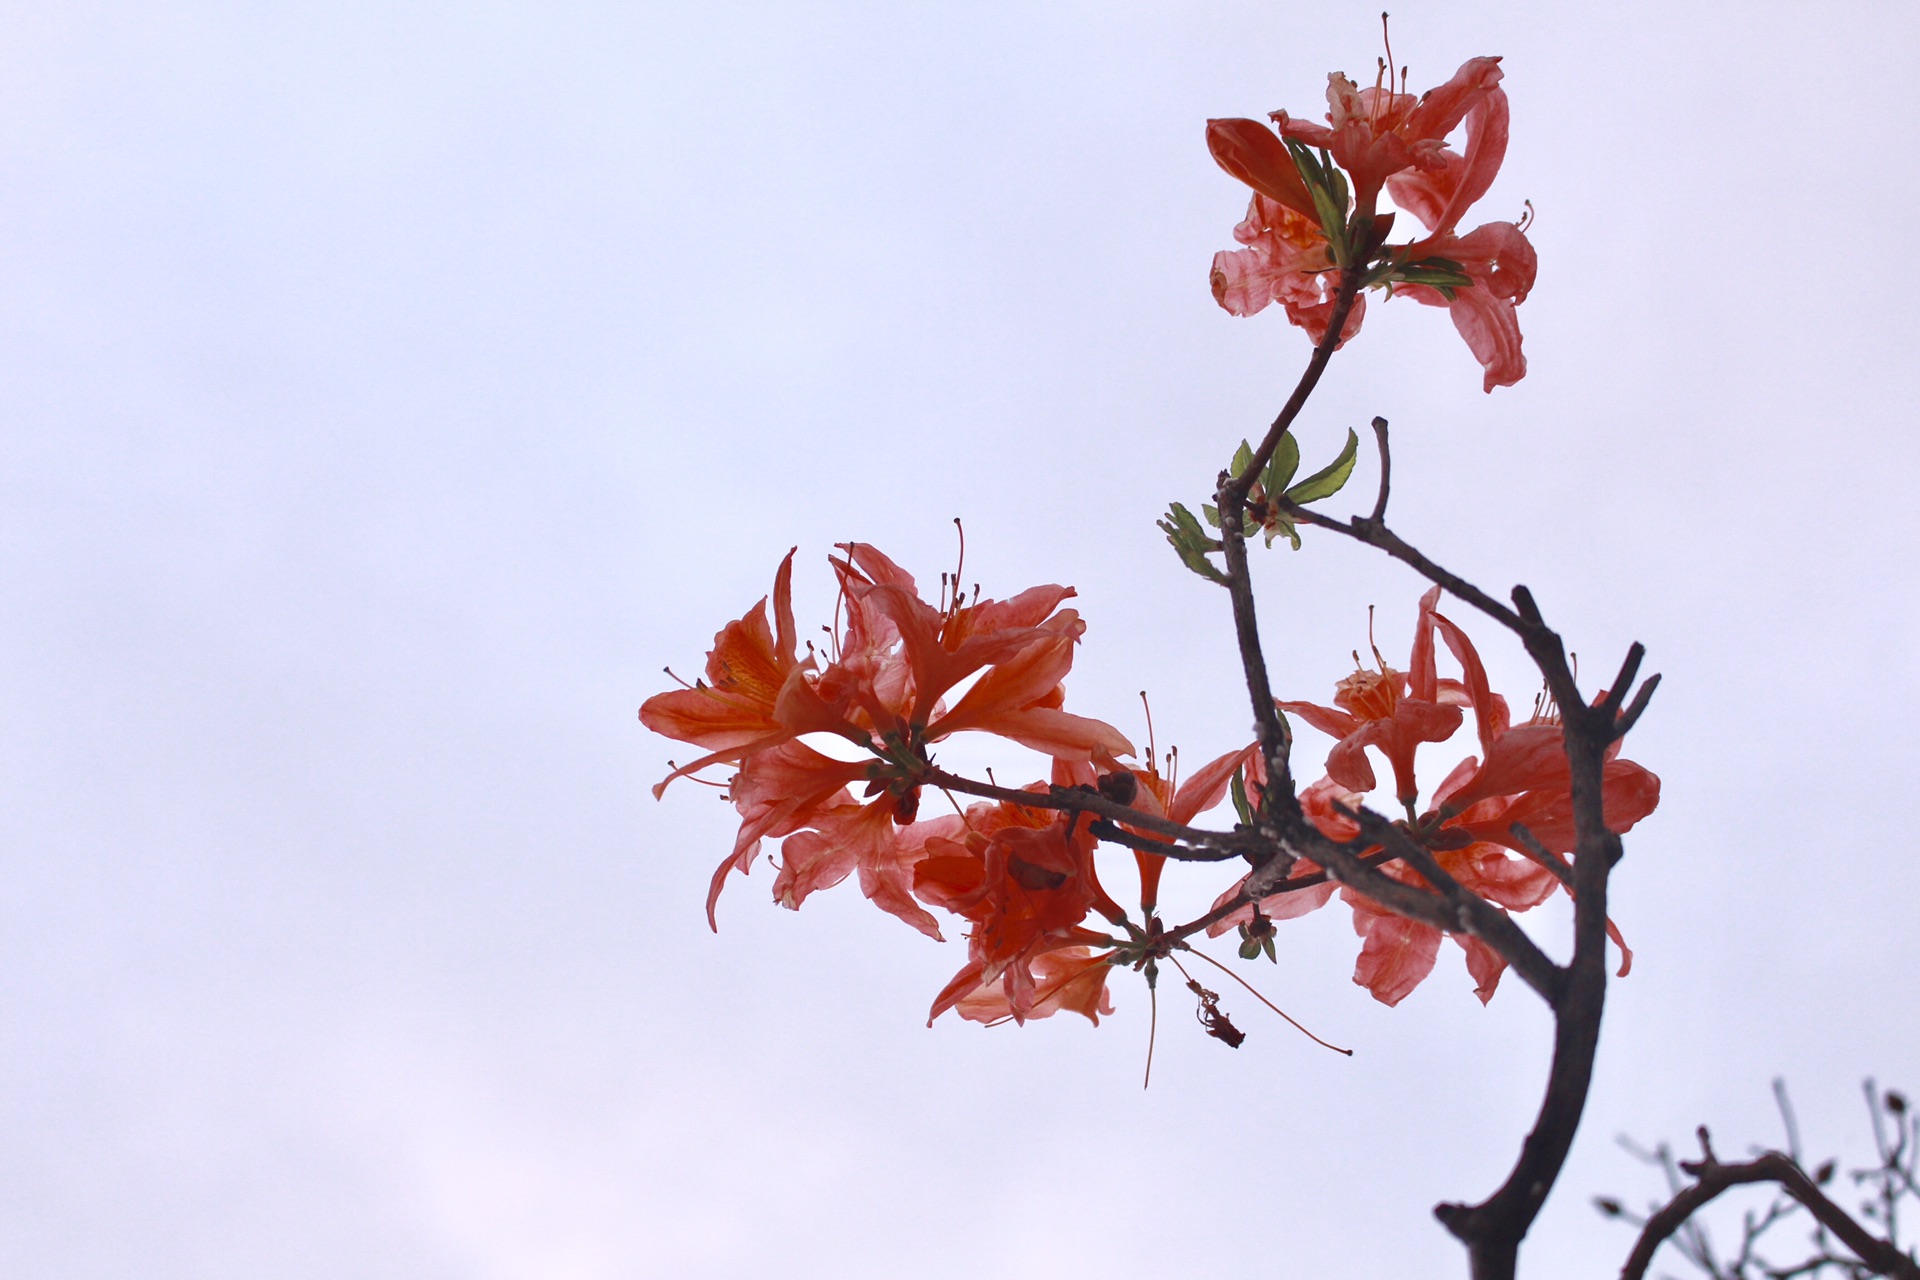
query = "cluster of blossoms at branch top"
{"x": 1307, "y": 220}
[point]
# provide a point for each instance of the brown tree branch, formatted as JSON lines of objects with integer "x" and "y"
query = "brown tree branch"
{"x": 1713, "y": 1178}
{"x": 1492, "y": 1230}
{"x": 1205, "y": 846}
{"x": 1386, "y": 472}
{"x": 1472, "y": 914}
{"x": 1230, "y": 499}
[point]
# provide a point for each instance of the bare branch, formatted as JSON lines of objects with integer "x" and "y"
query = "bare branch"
{"x": 1276, "y": 740}
{"x": 1543, "y": 855}
{"x": 1631, "y": 716}
{"x": 1472, "y": 914}
{"x": 1206, "y": 846}
{"x": 1386, "y": 472}
{"x": 1712, "y": 1178}
{"x": 1629, "y": 668}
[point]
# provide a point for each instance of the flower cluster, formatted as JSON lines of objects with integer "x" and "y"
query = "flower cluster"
{"x": 1500, "y": 823}
{"x": 1023, "y": 878}
{"x": 1306, "y": 224}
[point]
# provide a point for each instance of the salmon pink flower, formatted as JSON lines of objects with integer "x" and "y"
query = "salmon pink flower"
{"x": 779, "y": 791}
{"x": 1391, "y": 711}
{"x": 1071, "y": 979}
{"x": 1286, "y": 260}
{"x": 1376, "y": 134}
{"x": 1026, "y": 881}
{"x": 882, "y": 689}
{"x": 732, "y": 711}
{"x": 1499, "y": 261}
{"x": 1391, "y": 141}
{"x": 861, "y": 838}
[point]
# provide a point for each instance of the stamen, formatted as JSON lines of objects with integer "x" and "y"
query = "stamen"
{"x": 833, "y": 632}
{"x": 1153, "y": 1030}
{"x": 961, "y": 566}
{"x": 1371, "y": 643}
{"x": 1387, "y": 40}
{"x": 677, "y": 680}
{"x": 1153, "y": 750}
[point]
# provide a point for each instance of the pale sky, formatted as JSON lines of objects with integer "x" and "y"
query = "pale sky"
{"x": 393, "y": 390}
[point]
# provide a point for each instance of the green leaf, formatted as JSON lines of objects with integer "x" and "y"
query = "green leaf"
{"x": 1266, "y": 945}
{"x": 1336, "y": 180}
{"x": 1331, "y": 478}
{"x": 1443, "y": 274}
{"x": 1241, "y": 805}
{"x": 1328, "y": 187}
{"x": 1191, "y": 543}
{"x": 1248, "y": 525}
{"x": 1242, "y": 459}
{"x": 1280, "y": 468}
{"x": 1250, "y": 949}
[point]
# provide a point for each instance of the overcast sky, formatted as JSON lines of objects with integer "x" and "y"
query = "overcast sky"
{"x": 391, "y": 391}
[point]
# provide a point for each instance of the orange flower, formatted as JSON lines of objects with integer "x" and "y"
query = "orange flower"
{"x": 1391, "y": 711}
{"x": 732, "y": 711}
{"x": 883, "y": 690}
{"x": 1026, "y": 881}
{"x": 1376, "y": 134}
{"x": 1026, "y": 642}
{"x": 1388, "y": 140}
{"x": 1156, "y": 795}
{"x": 1522, "y": 777}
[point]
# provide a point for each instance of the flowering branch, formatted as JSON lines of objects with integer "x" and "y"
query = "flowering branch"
{"x": 1538, "y": 809}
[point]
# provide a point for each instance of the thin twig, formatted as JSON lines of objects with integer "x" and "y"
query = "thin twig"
{"x": 1472, "y": 914}
{"x": 1113, "y": 833}
{"x": 1386, "y": 472}
{"x": 1077, "y": 800}
{"x": 1531, "y": 846}
{"x": 1230, "y": 499}
{"x": 1712, "y": 1178}
{"x": 1311, "y": 880}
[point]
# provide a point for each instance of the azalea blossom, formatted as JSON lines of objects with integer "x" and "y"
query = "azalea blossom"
{"x": 882, "y": 688}
{"x": 1521, "y": 776}
{"x": 1025, "y": 879}
{"x": 1156, "y": 795}
{"x": 1391, "y": 141}
{"x": 1391, "y": 711}
{"x": 733, "y": 710}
